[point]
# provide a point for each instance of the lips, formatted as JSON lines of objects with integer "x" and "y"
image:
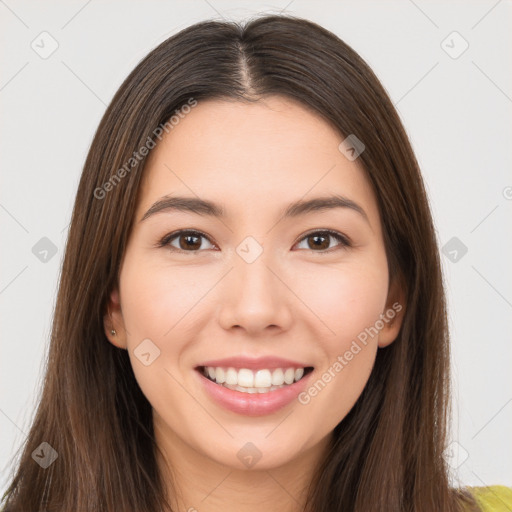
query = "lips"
{"x": 257, "y": 404}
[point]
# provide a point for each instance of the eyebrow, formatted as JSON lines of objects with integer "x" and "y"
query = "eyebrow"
{"x": 211, "y": 209}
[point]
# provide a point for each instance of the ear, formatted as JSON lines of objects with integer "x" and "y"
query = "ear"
{"x": 113, "y": 321}
{"x": 393, "y": 314}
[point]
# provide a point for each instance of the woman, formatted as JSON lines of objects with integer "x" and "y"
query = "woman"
{"x": 251, "y": 308}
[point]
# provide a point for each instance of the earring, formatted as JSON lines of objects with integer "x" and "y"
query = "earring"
{"x": 112, "y": 330}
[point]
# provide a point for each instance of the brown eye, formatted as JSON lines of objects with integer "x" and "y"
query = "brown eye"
{"x": 187, "y": 241}
{"x": 319, "y": 241}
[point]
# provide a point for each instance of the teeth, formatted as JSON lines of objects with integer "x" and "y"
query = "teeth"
{"x": 220, "y": 375}
{"x": 277, "y": 377}
{"x": 245, "y": 378}
{"x": 231, "y": 376}
{"x": 289, "y": 375}
{"x": 259, "y": 381}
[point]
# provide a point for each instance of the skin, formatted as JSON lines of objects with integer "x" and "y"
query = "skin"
{"x": 293, "y": 301}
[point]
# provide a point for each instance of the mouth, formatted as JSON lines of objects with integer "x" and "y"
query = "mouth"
{"x": 260, "y": 381}
{"x": 255, "y": 391}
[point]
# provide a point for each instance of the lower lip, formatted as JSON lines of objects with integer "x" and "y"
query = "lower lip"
{"x": 253, "y": 404}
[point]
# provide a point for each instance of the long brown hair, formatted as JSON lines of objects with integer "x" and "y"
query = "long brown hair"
{"x": 387, "y": 453}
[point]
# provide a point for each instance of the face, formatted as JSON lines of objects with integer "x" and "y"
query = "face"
{"x": 251, "y": 289}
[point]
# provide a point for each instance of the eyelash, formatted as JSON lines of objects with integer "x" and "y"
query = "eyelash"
{"x": 165, "y": 241}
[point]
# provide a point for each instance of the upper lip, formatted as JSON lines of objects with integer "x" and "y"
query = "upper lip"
{"x": 255, "y": 363}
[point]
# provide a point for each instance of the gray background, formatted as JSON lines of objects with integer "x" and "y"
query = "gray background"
{"x": 456, "y": 109}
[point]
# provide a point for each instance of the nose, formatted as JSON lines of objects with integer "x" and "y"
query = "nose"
{"x": 255, "y": 297}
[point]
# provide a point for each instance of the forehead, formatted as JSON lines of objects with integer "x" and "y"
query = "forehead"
{"x": 248, "y": 156}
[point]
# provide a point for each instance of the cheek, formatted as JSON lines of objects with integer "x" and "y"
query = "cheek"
{"x": 153, "y": 302}
{"x": 346, "y": 298}
{"x": 157, "y": 301}
{"x": 157, "y": 304}
{"x": 166, "y": 305}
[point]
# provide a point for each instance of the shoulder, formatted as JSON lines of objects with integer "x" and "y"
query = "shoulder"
{"x": 493, "y": 498}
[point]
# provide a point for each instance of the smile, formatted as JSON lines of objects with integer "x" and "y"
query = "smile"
{"x": 253, "y": 392}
